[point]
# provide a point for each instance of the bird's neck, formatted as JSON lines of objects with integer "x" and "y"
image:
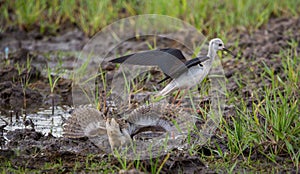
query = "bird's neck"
{"x": 211, "y": 53}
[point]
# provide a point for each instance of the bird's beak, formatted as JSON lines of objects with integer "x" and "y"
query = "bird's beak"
{"x": 228, "y": 51}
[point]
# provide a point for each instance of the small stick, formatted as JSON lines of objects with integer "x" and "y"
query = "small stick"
{"x": 11, "y": 116}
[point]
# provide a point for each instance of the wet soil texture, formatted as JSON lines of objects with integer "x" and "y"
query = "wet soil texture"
{"x": 24, "y": 87}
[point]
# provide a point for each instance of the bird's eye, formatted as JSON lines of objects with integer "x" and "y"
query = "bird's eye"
{"x": 220, "y": 45}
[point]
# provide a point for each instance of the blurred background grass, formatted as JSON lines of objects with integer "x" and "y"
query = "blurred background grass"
{"x": 210, "y": 17}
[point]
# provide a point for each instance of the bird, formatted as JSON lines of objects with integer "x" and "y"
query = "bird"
{"x": 184, "y": 73}
{"x": 117, "y": 133}
{"x": 143, "y": 125}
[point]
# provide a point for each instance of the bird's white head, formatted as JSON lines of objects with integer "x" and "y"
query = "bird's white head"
{"x": 215, "y": 45}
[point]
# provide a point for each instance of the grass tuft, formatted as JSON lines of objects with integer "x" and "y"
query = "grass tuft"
{"x": 91, "y": 16}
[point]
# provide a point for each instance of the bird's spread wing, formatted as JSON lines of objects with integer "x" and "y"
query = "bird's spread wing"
{"x": 172, "y": 51}
{"x": 87, "y": 122}
{"x": 157, "y": 128}
{"x": 148, "y": 118}
{"x": 166, "y": 59}
{"x": 171, "y": 61}
{"x": 155, "y": 117}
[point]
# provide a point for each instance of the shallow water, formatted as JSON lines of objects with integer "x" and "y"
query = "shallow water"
{"x": 43, "y": 121}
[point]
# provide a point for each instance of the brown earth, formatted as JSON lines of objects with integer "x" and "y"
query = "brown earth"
{"x": 35, "y": 149}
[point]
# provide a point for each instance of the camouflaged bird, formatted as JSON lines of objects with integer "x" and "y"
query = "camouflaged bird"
{"x": 147, "y": 126}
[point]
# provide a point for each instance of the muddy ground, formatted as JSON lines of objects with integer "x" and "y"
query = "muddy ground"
{"x": 25, "y": 90}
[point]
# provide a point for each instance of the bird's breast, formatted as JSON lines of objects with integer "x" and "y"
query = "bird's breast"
{"x": 193, "y": 76}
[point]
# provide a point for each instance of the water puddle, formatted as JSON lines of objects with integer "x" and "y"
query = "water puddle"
{"x": 43, "y": 121}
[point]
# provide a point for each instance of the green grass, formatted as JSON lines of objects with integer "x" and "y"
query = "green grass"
{"x": 265, "y": 131}
{"x": 212, "y": 18}
{"x": 269, "y": 127}
{"x": 89, "y": 163}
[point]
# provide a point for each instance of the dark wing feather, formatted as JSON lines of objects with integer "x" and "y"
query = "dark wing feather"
{"x": 166, "y": 59}
{"x": 180, "y": 69}
{"x": 172, "y": 51}
{"x": 171, "y": 61}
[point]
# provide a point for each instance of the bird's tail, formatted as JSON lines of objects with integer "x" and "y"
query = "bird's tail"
{"x": 169, "y": 88}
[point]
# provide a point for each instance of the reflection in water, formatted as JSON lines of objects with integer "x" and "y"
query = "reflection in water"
{"x": 43, "y": 121}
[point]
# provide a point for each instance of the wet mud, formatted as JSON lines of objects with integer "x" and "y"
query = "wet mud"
{"x": 27, "y": 89}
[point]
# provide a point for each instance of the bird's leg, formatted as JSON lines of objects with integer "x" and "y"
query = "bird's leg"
{"x": 182, "y": 97}
{"x": 175, "y": 98}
